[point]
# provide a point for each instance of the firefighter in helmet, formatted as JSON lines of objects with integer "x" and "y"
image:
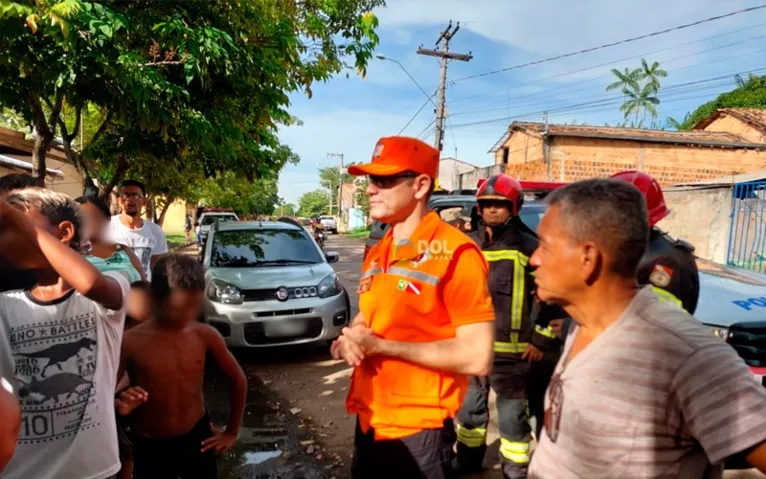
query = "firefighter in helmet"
{"x": 668, "y": 265}
{"x": 522, "y": 335}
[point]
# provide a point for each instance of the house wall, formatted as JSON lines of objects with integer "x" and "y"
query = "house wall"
{"x": 70, "y": 184}
{"x": 450, "y": 171}
{"x": 734, "y": 125}
{"x": 701, "y": 217}
{"x": 175, "y": 217}
{"x": 574, "y": 159}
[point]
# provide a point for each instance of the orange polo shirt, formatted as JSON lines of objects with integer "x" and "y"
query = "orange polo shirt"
{"x": 420, "y": 291}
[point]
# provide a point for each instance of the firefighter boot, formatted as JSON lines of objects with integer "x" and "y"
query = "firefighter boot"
{"x": 472, "y": 420}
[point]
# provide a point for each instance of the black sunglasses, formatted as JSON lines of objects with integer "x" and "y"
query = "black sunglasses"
{"x": 389, "y": 181}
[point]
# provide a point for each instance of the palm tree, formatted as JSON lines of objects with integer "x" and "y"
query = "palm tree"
{"x": 643, "y": 99}
{"x": 652, "y": 73}
{"x": 626, "y": 80}
{"x": 741, "y": 81}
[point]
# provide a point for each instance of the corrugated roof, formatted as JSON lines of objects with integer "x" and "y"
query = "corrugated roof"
{"x": 755, "y": 117}
{"x": 700, "y": 138}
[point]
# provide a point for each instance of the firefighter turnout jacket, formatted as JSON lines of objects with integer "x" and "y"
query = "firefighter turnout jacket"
{"x": 519, "y": 320}
{"x": 670, "y": 268}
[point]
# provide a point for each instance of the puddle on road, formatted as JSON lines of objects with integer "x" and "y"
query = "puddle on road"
{"x": 259, "y": 457}
{"x": 269, "y": 443}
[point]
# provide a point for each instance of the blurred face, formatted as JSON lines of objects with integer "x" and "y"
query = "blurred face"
{"x": 393, "y": 198}
{"x": 94, "y": 221}
{"x": 564, "y": 269}
{"x": 182, "y": 306}
{"x": 132, "y": 200}
{"x": 139, "y": 305}
{"x": 494, "y": 212}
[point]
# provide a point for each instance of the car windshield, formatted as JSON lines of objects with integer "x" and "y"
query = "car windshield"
{"x": 210, "y": 219}
{"x": 532, "y": 216}
{"x": 324, "y": 218}
{"x": 263, "y": 247}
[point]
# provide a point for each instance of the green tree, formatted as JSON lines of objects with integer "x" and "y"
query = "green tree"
{"x": 328, "y": 178}
{"x": 362, "y": 199}
{"x": 640, "y": 88}
{"x": 752, "y": 94}
{"x": 228, "y": 190}
{"x": 652, "y": 73}
{"x": 314, "y": 203}
{"x": 174, "y": 79}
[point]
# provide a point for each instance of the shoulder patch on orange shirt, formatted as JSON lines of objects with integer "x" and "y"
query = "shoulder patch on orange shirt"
{"x": 364, "y": 285}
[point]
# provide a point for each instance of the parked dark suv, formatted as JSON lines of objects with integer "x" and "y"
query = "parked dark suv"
{"x": 460, "y": 210}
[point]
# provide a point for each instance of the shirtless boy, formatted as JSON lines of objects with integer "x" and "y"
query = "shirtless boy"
{"x": 172, "y": 434}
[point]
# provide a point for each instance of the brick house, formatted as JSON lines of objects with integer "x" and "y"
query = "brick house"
{"x": 727, "y": 143}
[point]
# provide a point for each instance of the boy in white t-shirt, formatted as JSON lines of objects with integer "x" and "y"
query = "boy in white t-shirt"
{"x": 61, "y": 339}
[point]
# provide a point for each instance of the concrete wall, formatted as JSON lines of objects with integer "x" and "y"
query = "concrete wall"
{"x": 701, "y": 217}
{"x": 450, "y": 171}
{"x": 734, "y": 125}
{"x": 574, "y": 159}
{"x": 468, "y": 180}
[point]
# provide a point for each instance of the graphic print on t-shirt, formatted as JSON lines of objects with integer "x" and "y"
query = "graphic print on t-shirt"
{"x": 144, "y": 254}
{"x": 55, "y": 363}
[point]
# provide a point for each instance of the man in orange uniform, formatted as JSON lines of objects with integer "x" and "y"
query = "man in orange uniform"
{"x": 426, "y": 322}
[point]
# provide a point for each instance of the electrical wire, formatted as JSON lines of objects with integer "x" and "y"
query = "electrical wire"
{"x": 663, "y": 91}
{"x": 589, "y": 104}
{"x": 415, "y": 115}
{"x": 607, "y": 45}
{"x": 567, "y": 87}
{"x": 539, "y": 80}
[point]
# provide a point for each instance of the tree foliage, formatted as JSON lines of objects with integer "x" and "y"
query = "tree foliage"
{"x": 328, "y": 178}
{"x": 640, "y": 87}
{"x": 173, "y": 84}
{"x": 752, "y": 94}
{"x": 314, "y": 203}
{"x": 246, "y": 197}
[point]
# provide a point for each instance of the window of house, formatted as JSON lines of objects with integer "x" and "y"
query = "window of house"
{"x": 506, "y": 153}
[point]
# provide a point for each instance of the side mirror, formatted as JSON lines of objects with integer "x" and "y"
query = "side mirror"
{"x": 332, "y": 256}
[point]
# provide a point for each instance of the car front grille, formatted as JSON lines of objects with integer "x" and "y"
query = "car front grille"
{"x": 271, "y": 294}
{"x": 305, "y": 328}
{"x": 749, "y": 340}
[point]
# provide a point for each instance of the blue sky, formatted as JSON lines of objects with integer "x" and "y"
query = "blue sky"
{"x": 349, "y": 115}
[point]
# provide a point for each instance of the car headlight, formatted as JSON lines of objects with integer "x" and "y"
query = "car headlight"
{"x": 223, "y": 292}
{"x": 330, "y": 286}
{"x": 722, "y": 333}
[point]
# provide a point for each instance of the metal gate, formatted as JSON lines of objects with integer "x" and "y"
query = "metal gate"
{"x": 747, "y": 233}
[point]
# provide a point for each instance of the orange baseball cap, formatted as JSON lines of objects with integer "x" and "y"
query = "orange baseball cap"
{"x": 397, "y": 154}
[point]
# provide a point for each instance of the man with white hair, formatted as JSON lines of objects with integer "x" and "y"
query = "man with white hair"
{"x": 61, "y": 338}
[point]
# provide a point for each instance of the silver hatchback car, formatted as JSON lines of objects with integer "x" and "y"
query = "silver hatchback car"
{"x": 269, "y": 284}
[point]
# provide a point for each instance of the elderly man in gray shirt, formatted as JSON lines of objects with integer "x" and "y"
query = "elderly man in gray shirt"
{"x": 642, "y": 388}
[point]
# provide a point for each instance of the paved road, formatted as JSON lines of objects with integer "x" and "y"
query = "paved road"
{"x": 296, "y": 404}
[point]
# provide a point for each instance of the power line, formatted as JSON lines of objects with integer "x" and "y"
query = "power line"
{"x": 536, "y": 81}
{"x": 567, "y": 87}
{"x": 607, "y": 45}
{"x": 663, "y": 90}
{"x": 572, "y": 108}
{"x": 416, "y": 114}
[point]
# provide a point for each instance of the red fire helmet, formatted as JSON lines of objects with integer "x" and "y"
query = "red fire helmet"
{"x": 502, "y": 187}
{"x": 648, "y": 186}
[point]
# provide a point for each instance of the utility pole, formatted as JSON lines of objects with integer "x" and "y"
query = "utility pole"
{"x": 340, "y": 184}
{"x": 445, "y": 56}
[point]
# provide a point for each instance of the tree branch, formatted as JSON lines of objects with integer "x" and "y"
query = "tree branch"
{"x": 56, "y": 112}
{"x": 102, "y": 128}
{"x": 172, "y": 62}
{"x": 119, "y": 172}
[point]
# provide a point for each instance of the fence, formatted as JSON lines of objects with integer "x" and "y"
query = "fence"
{"x": 468, "y": 180}
{"x": 747, "y": 233}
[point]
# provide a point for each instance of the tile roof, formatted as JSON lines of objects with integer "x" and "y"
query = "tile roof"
{"x": 702, "y": 138}
{"x": 753, "y": 116}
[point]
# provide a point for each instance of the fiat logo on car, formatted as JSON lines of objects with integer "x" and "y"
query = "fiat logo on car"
{"x": 282, "y": 294}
